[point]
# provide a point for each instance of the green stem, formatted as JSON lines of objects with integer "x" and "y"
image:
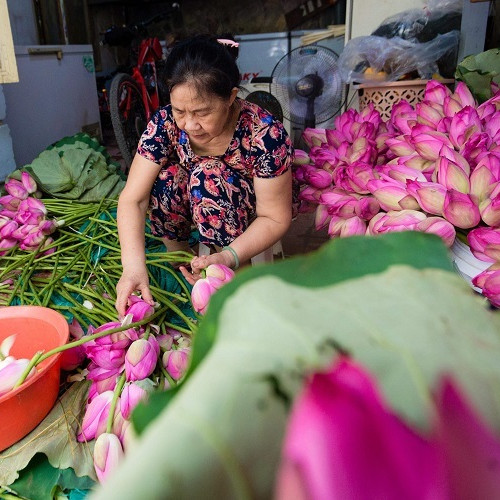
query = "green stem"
{"x": 34, "y": 360}
{"x": 116, "y": 394}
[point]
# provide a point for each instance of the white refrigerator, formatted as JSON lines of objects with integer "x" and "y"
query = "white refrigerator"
{"x": 56, "y": 96}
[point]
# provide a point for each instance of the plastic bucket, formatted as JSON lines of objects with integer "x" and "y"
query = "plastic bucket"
{"x": 38, "y": 329}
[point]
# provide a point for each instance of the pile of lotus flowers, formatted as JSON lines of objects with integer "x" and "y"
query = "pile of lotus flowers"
{"x": 127, "y": 362}
{"x": 23, "y": 221}
{"x": 434, "y": 168}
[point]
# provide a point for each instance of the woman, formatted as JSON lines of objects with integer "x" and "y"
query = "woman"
{"x": 208, "y": 159}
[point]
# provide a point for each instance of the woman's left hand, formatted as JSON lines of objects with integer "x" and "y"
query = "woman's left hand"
{"x": 202, "y": 262}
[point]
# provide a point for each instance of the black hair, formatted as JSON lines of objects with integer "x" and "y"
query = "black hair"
{"x": 202, "y": 60}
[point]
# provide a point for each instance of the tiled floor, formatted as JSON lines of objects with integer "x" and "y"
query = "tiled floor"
{"x": 302, "y": 236}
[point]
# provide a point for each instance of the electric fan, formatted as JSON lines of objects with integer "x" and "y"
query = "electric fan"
{"x": 307, "y": 83}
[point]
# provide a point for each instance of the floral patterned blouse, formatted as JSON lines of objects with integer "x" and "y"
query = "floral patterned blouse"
{"x": 216, "y": 193}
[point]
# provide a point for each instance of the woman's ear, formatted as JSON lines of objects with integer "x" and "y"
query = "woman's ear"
{"x": 234, "y": 93}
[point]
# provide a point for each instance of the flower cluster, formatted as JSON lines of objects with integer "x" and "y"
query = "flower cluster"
{"x": 23, "y": 221}
{"x": 125, "y": 366}
{"x": 433, "y": 168}
{"x": 216, "y": 275}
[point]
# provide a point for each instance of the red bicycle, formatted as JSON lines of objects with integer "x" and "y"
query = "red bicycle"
{"x": 133, "y": 98}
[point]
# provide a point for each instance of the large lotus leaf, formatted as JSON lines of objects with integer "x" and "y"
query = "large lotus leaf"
{"x": 103, "y": 189}
{"x": 55, "y": 437}
{"x": 39, "y": 480}
{"x": 50, "y": 172}
{"x": 339, "y": 260}
{"x": 220, "y": 436}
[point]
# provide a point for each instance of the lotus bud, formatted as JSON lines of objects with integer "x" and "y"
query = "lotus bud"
{"x": 482, "y": 240}
{"x": 32, "y": 240}
{"x": 430, "y": 196}
{"x": 47, "y": 226}
{"x": 138, "y": 308}
{"x": 318, "y": 178}
{"x": 200, "y": 295}
{"x": 451, "y": 176}
{"x": 33, "y": 205}
{"x": 72, "y": 358}
{"x": 105, "y": 356}
{"x": 335, "y": 226}
{"x": 108, "y": 453}
{"x": 367, "y": 207}
{"x": 481, "y": 181}
{"x": 463, "y": 125}
{"x": 403, "y": 117}
{"x": 104, "y": 379}
{"x": 322, "y": 217}
{"x": 11, "y": 372}
{"x": 404, "y": 220}
{"x": 141, "y": 358}
{"x": 439, "y": 226}
{"x": 456, "y": 158}
{"x": 359, "y": 174}
{"x": 28, "y": 182}
{"x": 220, "y": 272}
{"x": 492, "y": 126}
{"x": 435, "y": 92}
{"x": 310, "y": 193}
{"x": 6, "y": 244}
{"x": 353, "y": 226}
{"x": 165, "y": 341}
{"x": 314, "y": 136}
{"x": 176, "y": 362}
{"x": 429, "y": 114}
{"x": 489, "y": 282}
{"x": 392, "y": 196}
{"x": 15, "y": 188}
{"x": 460, "y": 210}
{"x": 301, "y": 157}
{"x": 428, "y": 145}
{"x": 131, "y": 395}
{"x": 8, "y": 228}
{"x": 97, "y": 410}
{"x": 10, "y": 203}
{"x": 400, "y": 146}
{"x": 463, "y": 95}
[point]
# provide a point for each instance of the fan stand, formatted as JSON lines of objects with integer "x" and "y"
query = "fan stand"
{"x": 310, "y": 118}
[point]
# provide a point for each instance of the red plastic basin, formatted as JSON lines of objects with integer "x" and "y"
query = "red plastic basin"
{"x": 37, "y": 329}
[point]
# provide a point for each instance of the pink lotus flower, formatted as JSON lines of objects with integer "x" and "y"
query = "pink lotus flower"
{"x": 440, "y": 227}
{"x": 318, "y": 178}
{"x": 429, "y": 144}
{"x": 6, "y": 244}
{"x": 490, "y": 208}
{"x": 314, "y": 136}
{"x": 220, "y": 272}
{"x": 139, "y": 308}
{"x": 28, "y": 182}
{"x": 429, "y": 195}
{"x": 428, "y": 113}
{"x": 11, "y": 370}
{"x": 403, "y": 117}
{"x": 435, "y": 92}
{"x": 395, "y": 220}
{"x": 176, "y": 362}
{"x": 97, "y": 412}
{"x": 105, "y": 356}
{"x": 131, "y": 395}
{"x": 141, "y": 358}
{"x": 484, "y": 243}
{"x": 301, "y": 157}
{"x": 8, "y": 228}
{"x": 202, "y": 290}
{"x": 451, "y": 176}
{"x": 16, "y": 188}
{"x": 108, "y": 453}
{"x": 464, "y": 96}
{"x": 104, "y": 379}
{"x": 9, "y": 203}
{"x": 463, "y": 125}
{"x": 460, "y": 210}
{"x": 343, "y": 441}
{"x": 392, "y": 195}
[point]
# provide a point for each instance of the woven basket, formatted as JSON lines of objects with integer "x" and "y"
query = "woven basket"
{"x": 384, "y": 95}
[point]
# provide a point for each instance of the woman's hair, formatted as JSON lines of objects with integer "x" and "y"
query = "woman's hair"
{"x": 205, "y": 62}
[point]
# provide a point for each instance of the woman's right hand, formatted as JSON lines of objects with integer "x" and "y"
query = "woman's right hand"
{"x": 130, "y": 282}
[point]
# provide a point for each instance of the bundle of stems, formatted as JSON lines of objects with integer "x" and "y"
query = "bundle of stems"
{"x": 78, "y": 272}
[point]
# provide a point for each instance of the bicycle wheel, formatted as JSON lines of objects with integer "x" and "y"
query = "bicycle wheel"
{"x": 128, "y": 115}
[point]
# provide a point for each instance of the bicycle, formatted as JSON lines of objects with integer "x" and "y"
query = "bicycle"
{"x": 134, "y": 96}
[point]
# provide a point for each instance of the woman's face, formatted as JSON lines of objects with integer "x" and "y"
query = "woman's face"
{"x": 202, "y": 116}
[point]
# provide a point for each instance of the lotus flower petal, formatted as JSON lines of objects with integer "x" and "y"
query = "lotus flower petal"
{"x": 460, "y": 210}
{"x": 108, "y": 453}
{"x": 28, "y": 182}
{"x": 97, "y": 409}
{"x": 440, "y": 227}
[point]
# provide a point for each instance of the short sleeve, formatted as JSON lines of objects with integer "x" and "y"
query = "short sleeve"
{"x": 272, "y": 148}
{"x": 157, "y": 141}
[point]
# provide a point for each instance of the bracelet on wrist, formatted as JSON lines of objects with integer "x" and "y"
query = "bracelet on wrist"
{"x": 235, "y": 256}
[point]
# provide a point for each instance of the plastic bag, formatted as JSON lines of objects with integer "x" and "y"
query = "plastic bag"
{"x": 374, "y": 58}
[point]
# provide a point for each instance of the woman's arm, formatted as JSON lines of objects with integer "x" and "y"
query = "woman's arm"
{"x": 274, "y": 215}
{"x": 132, "y": 207}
